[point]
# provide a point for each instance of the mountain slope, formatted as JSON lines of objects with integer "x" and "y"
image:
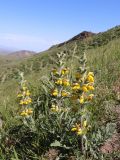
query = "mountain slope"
{"x": 80, "y": 37}
{"x": 21, "y": 54}
{"x": 103, "y": 59}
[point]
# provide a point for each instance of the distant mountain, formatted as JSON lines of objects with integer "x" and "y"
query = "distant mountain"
{"x": 81, "y": 36}
{"x": 4, "y": 51}
{"x": 21, "y": 54}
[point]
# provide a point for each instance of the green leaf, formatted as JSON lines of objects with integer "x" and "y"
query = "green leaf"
{"x": 15, "y": 154}
{"x": 55, "y": 144}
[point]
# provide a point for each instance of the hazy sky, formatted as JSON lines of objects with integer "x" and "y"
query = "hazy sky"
{"x": 38, "y": 24}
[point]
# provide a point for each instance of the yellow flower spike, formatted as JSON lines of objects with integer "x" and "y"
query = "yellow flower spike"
{"x": 90, "y": 78}
{"x": 59, "y": 81}
{"x": 90, "y": 87}
{"x": 66, "y": 82}
{"x": 84, "y": 88}
{"x": 81, "y": 100}
{"x": 75, "y": 86}
{"x": 64, "y": 93}
{"x": 90, "y": 97}
{"x": 54, "y": 92}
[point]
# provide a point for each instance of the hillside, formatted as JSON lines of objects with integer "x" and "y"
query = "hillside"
{"x": 103, "y": 52}
{"x": 21, "y": 54}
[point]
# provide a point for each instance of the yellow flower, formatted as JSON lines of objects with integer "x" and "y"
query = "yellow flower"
{"x": 26, "y": 102}
{"x": 54, "y": 108}
{"x": 90, "y": 87}
{"x": 90, "y": 97}
{"x": 75, "y": 86}
{"x": 78, "y": 75}
{"x": 84, "y": 88}
{"x": 80, "y": 131}
{"x": 85, "y": 123}
{"x": 19, "y": 95}
{"x": 29, "y": 100}
{"x": 66, "y": 82}
{"x": 90, "y": 78}
{"x": 55, "y": 92}
{"x": 91, "y": 74}
{"x": 29, "y": 111}
{"x": 24, "y": 88}
{"x": 24, "y": 113}
{"x": 59, "y": 81}
{"x": 64, "y": 93}
{"x": 54, "y": 71}
{"x": 81, "y": 100}
{"x": 27, "y": 93}
{"x": 74, "y": 129}
{"x": 64, "y": 71}
{"x": 21, "y": 102}
{"x": 77, "y": 129}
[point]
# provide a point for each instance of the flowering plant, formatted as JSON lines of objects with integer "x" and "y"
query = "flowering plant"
{"x": 61, "y": 115}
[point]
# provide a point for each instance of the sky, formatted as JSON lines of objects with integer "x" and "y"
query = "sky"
{"x": 38, "y": 24}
